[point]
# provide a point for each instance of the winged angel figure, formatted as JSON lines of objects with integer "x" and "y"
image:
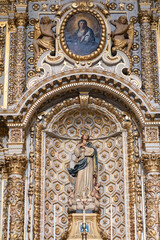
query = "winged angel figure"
{"x": 44, "y": 35}
{"x": 123, "y": 35}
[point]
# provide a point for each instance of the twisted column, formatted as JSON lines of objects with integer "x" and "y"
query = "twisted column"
{"x": 15, "y": 190}
{"x": 20, "y": 56}
{"x": 146, "y": 53}
{"x": 152, "y": 167}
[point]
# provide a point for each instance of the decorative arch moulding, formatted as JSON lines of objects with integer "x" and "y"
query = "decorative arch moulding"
{"x": 49, "y": 91}
{"x": 60, "y": 82}
{"x": 92, "y": 85}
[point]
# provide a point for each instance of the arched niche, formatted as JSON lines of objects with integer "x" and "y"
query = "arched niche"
{"x": 53, "y": 138}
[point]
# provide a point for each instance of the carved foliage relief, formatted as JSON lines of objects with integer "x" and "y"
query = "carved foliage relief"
{"x": 152, "y": 203}
{"x": 58, "y": 157}
{"x": 15, "y": 193}
{"x": 2, "y": 58}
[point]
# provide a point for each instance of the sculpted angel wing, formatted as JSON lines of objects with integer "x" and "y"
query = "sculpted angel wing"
{"x": 37, "y": 31}
{"x": 130, "y": 31}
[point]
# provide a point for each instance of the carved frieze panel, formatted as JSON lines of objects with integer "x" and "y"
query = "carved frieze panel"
{"x": 15, "y": 135}
{"x": 152, "y": 134}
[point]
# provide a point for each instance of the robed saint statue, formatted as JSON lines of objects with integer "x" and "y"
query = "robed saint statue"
{"x": 85, "y": 169}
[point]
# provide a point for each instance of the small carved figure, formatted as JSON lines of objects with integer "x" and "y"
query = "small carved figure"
{"x": 46, "y": 39}
{"x": 96, "y": 191}
{"x": 123, "y": 35}
{"x": 70, "y": 192}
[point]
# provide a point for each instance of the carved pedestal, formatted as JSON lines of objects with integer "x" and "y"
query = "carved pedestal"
{"x": 152, "y": 167}
{"x": 94, "y": 231}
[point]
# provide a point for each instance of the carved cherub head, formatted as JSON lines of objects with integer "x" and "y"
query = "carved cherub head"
{"x": 123, "y": 19}
{"x": 45, "y": 20}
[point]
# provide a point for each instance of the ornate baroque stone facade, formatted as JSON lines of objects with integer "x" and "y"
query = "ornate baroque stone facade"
{"x": 69, "y": 68}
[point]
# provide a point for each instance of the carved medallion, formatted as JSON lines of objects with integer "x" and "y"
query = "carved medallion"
{"x": 83, "y": 35}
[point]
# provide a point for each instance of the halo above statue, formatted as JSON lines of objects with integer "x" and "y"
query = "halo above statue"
{"x": 83, "y": 35}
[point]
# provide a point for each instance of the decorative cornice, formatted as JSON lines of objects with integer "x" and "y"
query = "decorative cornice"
{"x": 151, "y": 162}
{"x": 15, "y": 164}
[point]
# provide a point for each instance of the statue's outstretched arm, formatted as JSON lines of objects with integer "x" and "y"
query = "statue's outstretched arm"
{"x": 53, "y": 24}
{"x": 114, "y": 22}
{"x": 121, "y": 31}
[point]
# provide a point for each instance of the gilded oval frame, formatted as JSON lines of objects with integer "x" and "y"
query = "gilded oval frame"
{"x": 102, "y": 43}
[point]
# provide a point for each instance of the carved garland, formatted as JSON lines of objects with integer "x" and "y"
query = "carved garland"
{"x": 37, "y": 179}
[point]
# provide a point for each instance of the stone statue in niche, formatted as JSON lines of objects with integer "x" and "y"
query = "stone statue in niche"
{"x": 44, "y": 36}
{"x": 85, "y": 172}
{"x": 123, "y": 35}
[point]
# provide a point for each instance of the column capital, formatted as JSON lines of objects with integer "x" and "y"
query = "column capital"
{"x": 15, "y": 164}
{"x": 21, "y": 19}
{"x": 151, "y": 162}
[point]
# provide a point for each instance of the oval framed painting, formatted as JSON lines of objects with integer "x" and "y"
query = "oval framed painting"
{"x": 83, "y": 35}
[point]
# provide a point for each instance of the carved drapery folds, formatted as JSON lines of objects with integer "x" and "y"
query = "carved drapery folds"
{"x": 15, "y": 190}
{"x": 152, "y": 167}
{"x": 146, "y": 51}
{"x": 20, "y": 56}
